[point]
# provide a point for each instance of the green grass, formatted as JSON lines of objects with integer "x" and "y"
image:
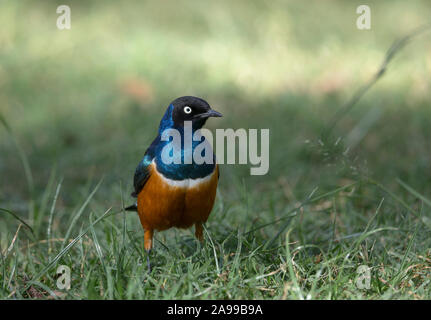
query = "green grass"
{"x": 78, "y": 109}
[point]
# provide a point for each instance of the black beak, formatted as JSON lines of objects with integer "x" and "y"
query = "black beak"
{"x": 209, "y": 113}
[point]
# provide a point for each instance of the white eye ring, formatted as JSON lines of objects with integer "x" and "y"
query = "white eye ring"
{"x": 187, "y": 109}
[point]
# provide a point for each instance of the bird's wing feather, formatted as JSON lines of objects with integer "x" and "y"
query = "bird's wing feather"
{"x": 142, "y": 172}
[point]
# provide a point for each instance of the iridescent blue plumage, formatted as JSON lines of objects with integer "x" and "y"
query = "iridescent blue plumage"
{"x": 174, "y": 171}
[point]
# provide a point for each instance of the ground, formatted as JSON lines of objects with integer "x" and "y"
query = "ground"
{"x": 79, "y": 107}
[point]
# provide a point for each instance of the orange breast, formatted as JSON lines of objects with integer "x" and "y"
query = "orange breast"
{"x": 164, "y": 203}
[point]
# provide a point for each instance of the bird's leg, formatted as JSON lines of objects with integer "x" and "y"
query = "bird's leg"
{"x": 148, "y": 245}
{"x": 199, "y": 231}
{"x": 148, "y": 260}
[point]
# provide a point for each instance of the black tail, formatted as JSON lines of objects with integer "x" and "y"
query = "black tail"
{"x": 133, "y": 207}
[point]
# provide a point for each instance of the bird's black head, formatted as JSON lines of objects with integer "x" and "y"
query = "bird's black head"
{"x": 193, "y": 109}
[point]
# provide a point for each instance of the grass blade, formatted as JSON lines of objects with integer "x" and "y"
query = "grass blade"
{"x": 214, "y": 250}
{"x": 65, "y": 250}
{"x": 16, "y": 217}
{"x": 51, "y": 215}
{"x": 78, "y": 214}
{"x": 414, "y": 192}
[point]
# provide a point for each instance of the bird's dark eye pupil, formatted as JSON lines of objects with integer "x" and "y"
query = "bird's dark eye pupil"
{"x": 187, "y": 109}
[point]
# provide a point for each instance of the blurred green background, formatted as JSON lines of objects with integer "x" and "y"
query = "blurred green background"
{"x": 85, "y": 103}
{"x": 89, "y": 99}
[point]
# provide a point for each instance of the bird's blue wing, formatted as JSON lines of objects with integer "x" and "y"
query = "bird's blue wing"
{"x": 142, "y": 172}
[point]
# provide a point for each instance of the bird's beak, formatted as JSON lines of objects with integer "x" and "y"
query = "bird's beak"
{"x": 210, "y": 113}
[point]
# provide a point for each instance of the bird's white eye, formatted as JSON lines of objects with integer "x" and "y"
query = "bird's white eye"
{"x": 187, "y": 109}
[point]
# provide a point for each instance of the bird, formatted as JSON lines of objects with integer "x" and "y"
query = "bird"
{"x": 182, "y": 193}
